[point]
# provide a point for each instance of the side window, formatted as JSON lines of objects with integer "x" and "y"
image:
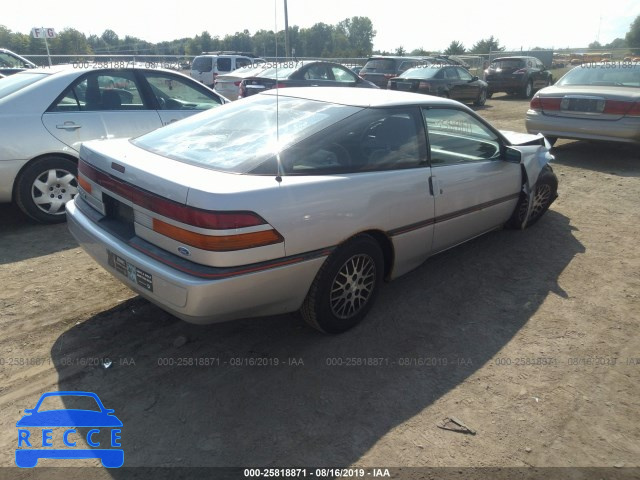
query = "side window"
{"x": 341, "y": 75}
{"x": 457, "y": 137}
{"x": 405, "y": 66}
{"x": 242, "y": 62}
{"x": 223, "y": 64}
{"x": 464, "y": 75}
{"x": 451, "y": 74}
{"x": 100, "y": 91}
{"x": 317, "y": 72}
{"x": 372, "y": 140}
{"x": 176, "y": 93}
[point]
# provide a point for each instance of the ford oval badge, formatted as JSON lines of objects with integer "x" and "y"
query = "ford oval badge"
{"x": 184, "y": 251}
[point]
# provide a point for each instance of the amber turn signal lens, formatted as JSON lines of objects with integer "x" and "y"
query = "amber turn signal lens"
{"x": 86, "y": 186}
{"x": 224, "y": 243}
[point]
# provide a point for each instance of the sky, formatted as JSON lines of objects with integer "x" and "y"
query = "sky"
{"x": 409, "y": 23}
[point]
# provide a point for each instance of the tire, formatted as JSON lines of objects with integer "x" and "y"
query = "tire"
{"x": 527, "y": 90}
{"x": 489, "y": 94}
{"x": 545, "y": 192}
{"x": 43, "y": 188}
{"x": 482, "y": 98}
{"x": 346, "y": 286}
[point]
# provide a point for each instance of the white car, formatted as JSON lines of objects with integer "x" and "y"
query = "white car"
{"x": 301, "y": 199}
{"x": 46, "y": 114}
{"x": 228, "y": 85}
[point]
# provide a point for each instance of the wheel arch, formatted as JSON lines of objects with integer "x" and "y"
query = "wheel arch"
{"x": 35, "y": 159}
{"x": 386, "y": 245}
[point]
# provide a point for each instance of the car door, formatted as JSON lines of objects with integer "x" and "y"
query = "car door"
{"x": 100, "y": 105}
{"x": 453, "y": 85}
{"x": 176, "y": 97}
{"x": 475, "y": 189}
{"x": 469, "y": 90}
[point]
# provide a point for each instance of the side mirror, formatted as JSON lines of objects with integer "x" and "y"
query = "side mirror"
{"x": 475, "y": 78}
{"x": 512, "y": 155}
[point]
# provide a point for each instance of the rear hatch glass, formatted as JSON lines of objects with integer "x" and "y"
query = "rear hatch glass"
{"x": 202, "y": 64}
{"x": 380, "y": 65}
{"x": 506, "y": 66}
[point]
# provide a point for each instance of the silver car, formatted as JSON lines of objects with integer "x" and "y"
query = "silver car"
{"x": 301, "y": 199}
{"x": 228, "y": 85}
{"x": 593, "y": 101}
{"x": 46, "y": 113}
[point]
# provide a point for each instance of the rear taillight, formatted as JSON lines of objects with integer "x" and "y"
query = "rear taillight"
{"x": 424, "y": 86}
{"x": 217, "y": 243}
{"x": 221, "y": 221}
{"x": 545, "y": 103}
{"x": 634, "y": 111}
{"x": 242, "y": 90}
{"x": 237, "y": 84}
{"x": 617, "y": 107}
{"x": 280, "y": 85}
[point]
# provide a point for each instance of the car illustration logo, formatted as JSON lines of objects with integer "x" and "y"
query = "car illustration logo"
{"x": 42, "y": 429}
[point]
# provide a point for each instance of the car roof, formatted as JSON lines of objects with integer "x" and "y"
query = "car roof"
{"x": 361, "y": 97}
{"x": 512, "y": 58}
{"x": 69, "y": 68}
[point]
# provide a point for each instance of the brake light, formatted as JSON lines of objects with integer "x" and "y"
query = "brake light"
{"x": 424, "y": 85}
{"x": 545, "y": 103}
{"x": 617, "y": 107}
{"x": 535, "y": 104}
{"x": 280, "y": 85}
{"x": 217, "y": 243}
{"x": 242, "y": 90}
{"x": 237, "y": 84}
{"x": 634, "y": 111}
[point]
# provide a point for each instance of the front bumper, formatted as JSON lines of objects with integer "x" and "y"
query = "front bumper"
{"x": 275, "y": 290}
{"x": 626, "y": 129}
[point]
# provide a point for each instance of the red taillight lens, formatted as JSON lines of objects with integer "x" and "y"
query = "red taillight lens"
{"x": 634, "y": 111}
{"x": 617, "y": 107}
{"x": 280, "y": 85}
{"x": 237, "y": 84}
{"x": 182, "y": 213}
{"x": 545, "y": 103}
{"x": 535, "y": 104}
{"x": 424, "y": 85}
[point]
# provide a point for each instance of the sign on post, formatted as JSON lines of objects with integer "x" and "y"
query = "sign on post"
{"x": 44, "y": 33}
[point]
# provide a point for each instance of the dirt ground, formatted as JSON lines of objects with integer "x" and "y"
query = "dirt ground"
{"x": 529, "y": 337}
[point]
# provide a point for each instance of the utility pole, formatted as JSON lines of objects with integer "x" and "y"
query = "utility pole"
{"x": 286, "y": 30}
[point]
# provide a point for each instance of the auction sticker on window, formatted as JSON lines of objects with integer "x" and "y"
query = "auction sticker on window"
{"x": 133, "y": 273}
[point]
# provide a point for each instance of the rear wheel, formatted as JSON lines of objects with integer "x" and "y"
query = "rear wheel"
{"x": 527, "y": 91}
{"x": 482, "y": 98}
{"x": 45, "y": 186}
{"x": 346, "y": 286}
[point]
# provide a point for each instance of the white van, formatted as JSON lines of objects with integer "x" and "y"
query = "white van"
{"x": 206, "y": 67}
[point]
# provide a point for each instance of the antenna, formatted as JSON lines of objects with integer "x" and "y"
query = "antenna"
{"x": 279, "y": 174}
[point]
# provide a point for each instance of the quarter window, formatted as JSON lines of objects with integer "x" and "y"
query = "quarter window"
{"x": 457, "y": 137}
{"x": 175, "y": 93}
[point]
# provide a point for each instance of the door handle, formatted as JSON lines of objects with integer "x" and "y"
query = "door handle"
{"x": 68, "y": 126}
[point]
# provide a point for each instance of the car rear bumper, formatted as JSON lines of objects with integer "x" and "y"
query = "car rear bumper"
{"x": 626, "y": 129}
{"x": 505, "y": 84}
{"x": 275, "y": 289}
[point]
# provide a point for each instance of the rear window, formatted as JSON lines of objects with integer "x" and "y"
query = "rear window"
{"x": 18, "y": 81}
{"x": 506, "y": 64}
{"x": 202, "y": 64}
{"x": 427, "y": 71}
{"x": 381, "y": 65}
{"x": 605, "y": 74}
{"x": 241, "y": 136}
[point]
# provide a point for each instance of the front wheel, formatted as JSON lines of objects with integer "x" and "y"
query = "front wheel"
{"x": 45, "y": 186}
{"x": 482, "y": 98}
{"x": 346, "y": 286}
{"x": 545, "y": 192}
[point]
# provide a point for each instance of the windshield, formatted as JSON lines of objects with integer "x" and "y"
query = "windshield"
{"x": 13, "y": 83}
{"x": 241, "y": 136}
{"x": 606, "y": 74}
{"x": 426, "y": 71}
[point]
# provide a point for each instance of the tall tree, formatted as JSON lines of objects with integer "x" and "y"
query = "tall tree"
{"x": 487, "y": 45}
{"x": 633, "y": 35}
{"x": 455, "y": 48}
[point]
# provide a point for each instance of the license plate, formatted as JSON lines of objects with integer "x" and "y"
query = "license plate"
{"x": 133, "y": 273}
{"x": 585, "y": 105}
{"x": 404, "y": 86}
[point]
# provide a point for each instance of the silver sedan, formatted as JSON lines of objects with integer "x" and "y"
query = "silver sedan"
{"x": 46, "y": 113}
{"x": 301, "y": 199}
{"x": 594, "y": 101}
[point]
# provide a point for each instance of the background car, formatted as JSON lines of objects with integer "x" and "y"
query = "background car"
{"x": 303, "y": 74}
{"x": 11, "y": 62}
{"x": 380, "y": 69}
{"x": 304, "y": 199}
{"x": 45, "y": 114}
{"x": 206, "y": 67}
{"x": 444, "y": 81}
{"x": 228, "y": 85}
{"x": 593, "y": 101}
{"x": 517, "y": 76}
